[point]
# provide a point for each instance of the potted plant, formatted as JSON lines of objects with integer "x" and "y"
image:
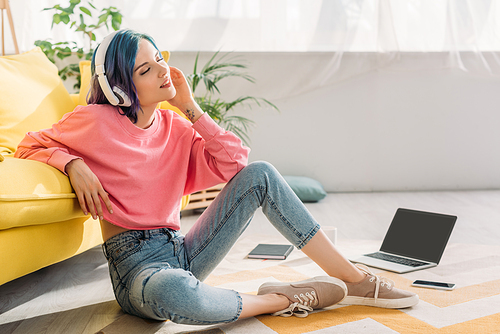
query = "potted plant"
{"x": 217, "y": 68}
{"x": 76, "y": 17}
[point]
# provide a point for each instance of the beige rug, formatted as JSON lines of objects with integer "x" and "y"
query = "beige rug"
{"x": 473, "y": 307}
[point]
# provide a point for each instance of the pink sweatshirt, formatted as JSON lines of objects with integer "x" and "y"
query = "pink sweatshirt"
{"x": 144, "y": 171}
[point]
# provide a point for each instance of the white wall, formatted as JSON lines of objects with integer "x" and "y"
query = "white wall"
{"x": 414, "y": 125}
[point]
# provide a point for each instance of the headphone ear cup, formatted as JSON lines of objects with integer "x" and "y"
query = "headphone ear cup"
{"x": 122, "y": 96}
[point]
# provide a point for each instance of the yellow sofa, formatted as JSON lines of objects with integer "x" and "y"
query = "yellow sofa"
{"x": 41, "y": 222}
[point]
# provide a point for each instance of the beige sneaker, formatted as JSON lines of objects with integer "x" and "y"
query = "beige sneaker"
{"x": 304, "y": 296}
{"x": 378, "y": 291}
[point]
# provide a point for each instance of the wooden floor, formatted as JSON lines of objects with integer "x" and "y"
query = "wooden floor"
{"x": 75, "y": 296}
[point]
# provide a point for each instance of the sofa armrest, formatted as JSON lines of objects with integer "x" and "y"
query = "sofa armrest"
{"x": 34, "y": 193}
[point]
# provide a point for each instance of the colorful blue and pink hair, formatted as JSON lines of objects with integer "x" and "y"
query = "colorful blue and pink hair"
{"x": 119, "y": 64}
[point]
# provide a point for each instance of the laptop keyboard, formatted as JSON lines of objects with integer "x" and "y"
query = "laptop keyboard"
{"x": 395, "y": 259}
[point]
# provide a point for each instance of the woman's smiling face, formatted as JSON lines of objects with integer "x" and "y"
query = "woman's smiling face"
{"x": 151, "y": 76}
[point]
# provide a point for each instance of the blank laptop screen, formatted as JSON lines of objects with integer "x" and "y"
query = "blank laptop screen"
{"x": 419, "y": 235}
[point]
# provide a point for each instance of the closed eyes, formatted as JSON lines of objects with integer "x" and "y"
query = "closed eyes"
{"x": 159, "y": 60}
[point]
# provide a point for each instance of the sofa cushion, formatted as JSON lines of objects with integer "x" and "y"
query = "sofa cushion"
{"x": 85, "y": 75}
{"x": 33, "y": 193}
{"x": 32, "y": 97}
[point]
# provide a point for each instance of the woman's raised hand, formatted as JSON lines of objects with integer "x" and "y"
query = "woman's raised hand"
{"x": 183, "y": 98}
{"x": 183, "y": 91}
{"x": 88, "y": 188}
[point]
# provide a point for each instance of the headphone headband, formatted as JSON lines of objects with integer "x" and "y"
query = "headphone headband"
{"x": 114, "y": 95}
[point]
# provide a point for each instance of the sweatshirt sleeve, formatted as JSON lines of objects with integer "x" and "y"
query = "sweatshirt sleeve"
{"x": 46, "y": 146}
{"x": 216, "y": 155}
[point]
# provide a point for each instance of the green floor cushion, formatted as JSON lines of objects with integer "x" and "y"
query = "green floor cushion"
{"x": 307, "y": 189}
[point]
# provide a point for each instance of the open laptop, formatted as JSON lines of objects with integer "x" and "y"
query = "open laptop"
{"x": 415, "y": 240}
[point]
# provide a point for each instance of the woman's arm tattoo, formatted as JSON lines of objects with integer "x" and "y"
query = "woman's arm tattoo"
{"x": 190, "y": 114}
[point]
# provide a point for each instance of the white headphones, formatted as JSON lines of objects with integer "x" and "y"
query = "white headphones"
{"x": 115, "y": 96}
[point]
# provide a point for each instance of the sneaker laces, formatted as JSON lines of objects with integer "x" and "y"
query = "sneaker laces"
{"x": 300, "y": 308}
{"x": 296, "y": 309}
{"x": 380, "y": 281}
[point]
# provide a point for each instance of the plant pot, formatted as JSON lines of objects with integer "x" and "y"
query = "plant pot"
{"x": 202, "y": 199}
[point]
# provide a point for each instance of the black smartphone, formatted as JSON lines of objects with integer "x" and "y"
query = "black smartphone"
{"x": 433, "y": 285}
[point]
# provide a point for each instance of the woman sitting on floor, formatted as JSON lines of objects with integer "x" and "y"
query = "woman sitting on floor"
{"x": 130, "y": 163}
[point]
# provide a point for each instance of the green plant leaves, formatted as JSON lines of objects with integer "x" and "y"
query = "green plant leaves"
{"x": 217, "y": 68}
{"x": 86, "y": 11}
{"x": 75, "y": 16}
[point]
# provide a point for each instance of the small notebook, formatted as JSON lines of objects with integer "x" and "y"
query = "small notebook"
{"x": 270, "y": 251}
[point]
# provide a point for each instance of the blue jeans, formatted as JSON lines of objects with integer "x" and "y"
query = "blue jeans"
{"x": 158, "y": 274}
